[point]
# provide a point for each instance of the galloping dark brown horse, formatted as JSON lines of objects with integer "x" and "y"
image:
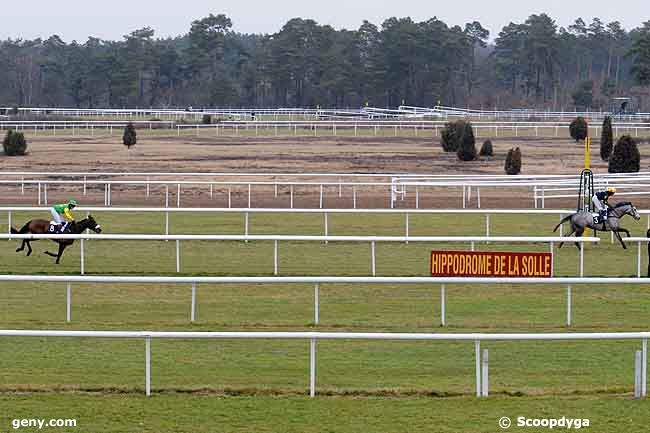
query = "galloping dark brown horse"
{"x": 40, "y": 227}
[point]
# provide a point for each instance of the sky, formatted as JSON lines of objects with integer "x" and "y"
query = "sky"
{"x": 76, "y": 19}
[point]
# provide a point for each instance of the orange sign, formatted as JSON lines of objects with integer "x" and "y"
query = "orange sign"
{"x": 491, "y": 264}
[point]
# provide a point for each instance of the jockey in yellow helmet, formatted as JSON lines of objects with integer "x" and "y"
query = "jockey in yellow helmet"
{"x": 600, "y": 201}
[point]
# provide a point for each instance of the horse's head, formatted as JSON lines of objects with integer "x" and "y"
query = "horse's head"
{"x": 92, "y": 224}
{"x": 628, "y": 208}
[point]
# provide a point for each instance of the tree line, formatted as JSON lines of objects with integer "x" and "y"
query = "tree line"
{"x": 533, "y": 63}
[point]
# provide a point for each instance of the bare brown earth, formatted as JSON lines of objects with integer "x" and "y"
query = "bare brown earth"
{"x": 157, "y": 153}
{"x": 292, "y": 154}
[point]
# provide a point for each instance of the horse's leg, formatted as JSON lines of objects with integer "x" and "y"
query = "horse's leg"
{"x": 618, "y": 236}
{"x": 52, "y": 254}
{"x": 562, "y": 243}
{"x": 62, "y": 248}
{"x": 579, "y": 233}
{"x": 29, "y": 248}
{"x": 22, "y": 246}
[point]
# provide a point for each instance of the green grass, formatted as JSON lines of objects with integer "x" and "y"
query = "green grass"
{"x": 362, "y": 386}
{"x": 197, "y": 414}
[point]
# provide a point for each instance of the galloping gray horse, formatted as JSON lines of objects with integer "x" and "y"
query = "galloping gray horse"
{"x": 581, "y": 221}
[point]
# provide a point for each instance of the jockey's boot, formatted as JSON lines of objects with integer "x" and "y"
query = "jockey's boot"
{"x": 63, "y": 227}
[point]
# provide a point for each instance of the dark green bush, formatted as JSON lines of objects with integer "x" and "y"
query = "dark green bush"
{"x": 130, "y": 137}
{"x": 606, "y": 139}
{"x": 451, "y": 135}
{"x": 513, "y": 162}
{"x": 486, "y": 149}
{"x": 626, "y": 157}
{"x": 14, "y": 143}
{"x": 467, "y": 147}
{"x": 578, "y": 129}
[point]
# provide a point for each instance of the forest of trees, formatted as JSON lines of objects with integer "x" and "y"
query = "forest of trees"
{"x": 534, "y": 63}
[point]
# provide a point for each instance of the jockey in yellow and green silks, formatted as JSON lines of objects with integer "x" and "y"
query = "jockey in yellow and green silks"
{"x": 59, "y": 210}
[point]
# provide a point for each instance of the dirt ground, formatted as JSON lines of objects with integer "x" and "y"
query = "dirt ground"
{"x": 291, "y": 155}
{"x": 294, "y": 154}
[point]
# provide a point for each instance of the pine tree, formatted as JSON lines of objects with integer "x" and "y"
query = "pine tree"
{"x": 606, "y": 139}
{"x": 486, "y": 149}
{"x": 14, "y": 143}
{"x": 626, "y": 157}
{"x": 130, "y": 137}
{"x": 451, "y": 135}
{"x": 513, "y": 162}
{"x": 578, "y": 129}
{"x": 467, "y": 147}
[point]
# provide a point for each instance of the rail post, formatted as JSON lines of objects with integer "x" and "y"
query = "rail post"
{"x": 372, "y": 253}
{"x": 568, "y": 306}
{"x": 644, "y": 368}
{"x": 193, "y": 309}
{"x": 275, "y": 257}
{"x": 82, "y": 258}
{"x": 477, "y": 354}
{"x": 147, "y": 365}
{"x": 637, "y": 374}
{"x": 638, "y": 260}
{"x": 326, "y": 225}
{"x": 484, "y": 376}
{"x": 443, "y": 306}
{"x": 312, "y": 368}
{"x": 316, "y": 304}
{"x": 582, "y": 260}
{"x": 178, "y": 256}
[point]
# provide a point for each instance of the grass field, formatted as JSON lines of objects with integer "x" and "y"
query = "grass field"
{"x": 205, "y": 386}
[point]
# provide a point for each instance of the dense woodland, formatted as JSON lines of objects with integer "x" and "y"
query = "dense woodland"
{"x": 534, "y": 63}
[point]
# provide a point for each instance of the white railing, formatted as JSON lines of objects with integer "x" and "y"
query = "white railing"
{"x": 488, "y": 214}
{"x": 443, "y": 282}
{"x": 276, "y": 239}
{"x": 321, "y": 127}
{"x": 480, "y": 358}
{"x": 396, "y": 189}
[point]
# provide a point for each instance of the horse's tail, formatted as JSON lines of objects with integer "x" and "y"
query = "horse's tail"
{"x": 22, "y": 231}
{"x": 565, "y": 219}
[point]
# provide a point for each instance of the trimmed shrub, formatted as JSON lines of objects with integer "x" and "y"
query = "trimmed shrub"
{"x": 626, "y": 157}
{"x": 513, "y": 162}
{"x": 130, "y": 137}
{"x": 14, "y": 143}
{"x": 467, "y": 147}
{"x": 606, "y": 139}
{"x": 578, "y": 129}
{"x": 486, "y": 149}
{"x": 206, "y": 119}
{"x": 451, "y": 135}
